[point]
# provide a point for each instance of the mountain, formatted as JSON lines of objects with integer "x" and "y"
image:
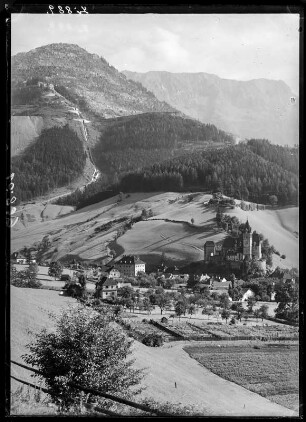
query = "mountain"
{"x": 85, "y": 76}
{"x": 258, "y": 108}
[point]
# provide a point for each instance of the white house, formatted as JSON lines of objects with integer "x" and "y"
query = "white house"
{"x": 109, "y": 288}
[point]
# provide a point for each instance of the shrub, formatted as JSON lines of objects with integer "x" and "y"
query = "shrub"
{"x": 31, "y": 284}
{"x": 26, "y": 278}
{"x": 164, "y": 320}
{"x": 283, "y": 256}
{"x": 85, "y": 349}
{"x": 153, "y": 340}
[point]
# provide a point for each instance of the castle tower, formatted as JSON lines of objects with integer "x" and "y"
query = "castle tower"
{"x": 256, "y": 246}
{"x": 209, "y": 250}
{"x": 247, "y": 241}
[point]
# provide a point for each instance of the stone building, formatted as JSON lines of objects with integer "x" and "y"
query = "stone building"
{"x": 235, "y": 249}
{"x": 130, "y": 266}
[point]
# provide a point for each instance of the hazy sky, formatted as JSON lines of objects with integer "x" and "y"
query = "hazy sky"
{"x": 236, "y": 46}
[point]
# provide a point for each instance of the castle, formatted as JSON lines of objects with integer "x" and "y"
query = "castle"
{"x": 246, "y": 247}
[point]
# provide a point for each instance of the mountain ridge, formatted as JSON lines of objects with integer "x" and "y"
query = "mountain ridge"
{"x": 87, "y": 75}
{"x": 258, "y": 108}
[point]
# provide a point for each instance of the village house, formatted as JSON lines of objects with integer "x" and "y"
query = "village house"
{"x": 112, "y": 273}
{"x": 18, "y": 258}
{"x": 107, "y": 288}
{"x": 121, "y": 283}
{"x": 220, "y": 285}
{"x": 130, "y": 266}
{"x": 246, "y": 294}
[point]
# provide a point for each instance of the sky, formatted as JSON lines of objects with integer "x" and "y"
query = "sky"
{"x": 232, "y": 46}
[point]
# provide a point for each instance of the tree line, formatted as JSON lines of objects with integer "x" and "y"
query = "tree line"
{"x": 235, "y": 170}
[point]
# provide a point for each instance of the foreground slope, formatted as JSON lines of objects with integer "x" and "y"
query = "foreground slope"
{"x": 195, "y": 384}
{"x": 82, "y": 234}
{"x": 29, "y": 311}
{"x": 259, "y": 108}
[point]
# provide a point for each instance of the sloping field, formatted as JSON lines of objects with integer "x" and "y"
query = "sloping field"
{"x": 30, "y": 310}
{"x": 169, "y": 231}
{"x": 166, "y": 365}
{"x": 179, "y": 241}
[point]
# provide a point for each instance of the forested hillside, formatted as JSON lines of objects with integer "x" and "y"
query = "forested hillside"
{"x": 136, "y": 142}
{"x": 54, "y": 160}
{"x": 235, "y": 170}
{"x": 287, "y": 158}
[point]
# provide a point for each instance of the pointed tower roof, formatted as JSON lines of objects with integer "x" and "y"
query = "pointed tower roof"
{"x": 248, "y": 227}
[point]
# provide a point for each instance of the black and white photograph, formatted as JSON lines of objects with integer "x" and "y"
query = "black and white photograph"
{"x": 154, "y": 211}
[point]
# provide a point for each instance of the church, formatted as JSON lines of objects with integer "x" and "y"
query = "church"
{"x": 245, "y": 247}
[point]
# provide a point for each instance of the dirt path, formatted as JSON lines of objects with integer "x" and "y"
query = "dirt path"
{"x": 196, "y": 385}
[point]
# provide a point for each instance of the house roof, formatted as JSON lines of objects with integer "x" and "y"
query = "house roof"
{"x": 246, "y": 289}
{"x": 111, "y": 269}
{"x": 16, "y": 255}
{"x": 130, "y": 260}
{"x": 221, "y": 284}
{"x": 248, "y": 228}
{"x": 109, "y": 283}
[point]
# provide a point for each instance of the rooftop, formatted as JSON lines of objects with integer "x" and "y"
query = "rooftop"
{"x": 130, "y": 259}
{"x": 109, "y": 282}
